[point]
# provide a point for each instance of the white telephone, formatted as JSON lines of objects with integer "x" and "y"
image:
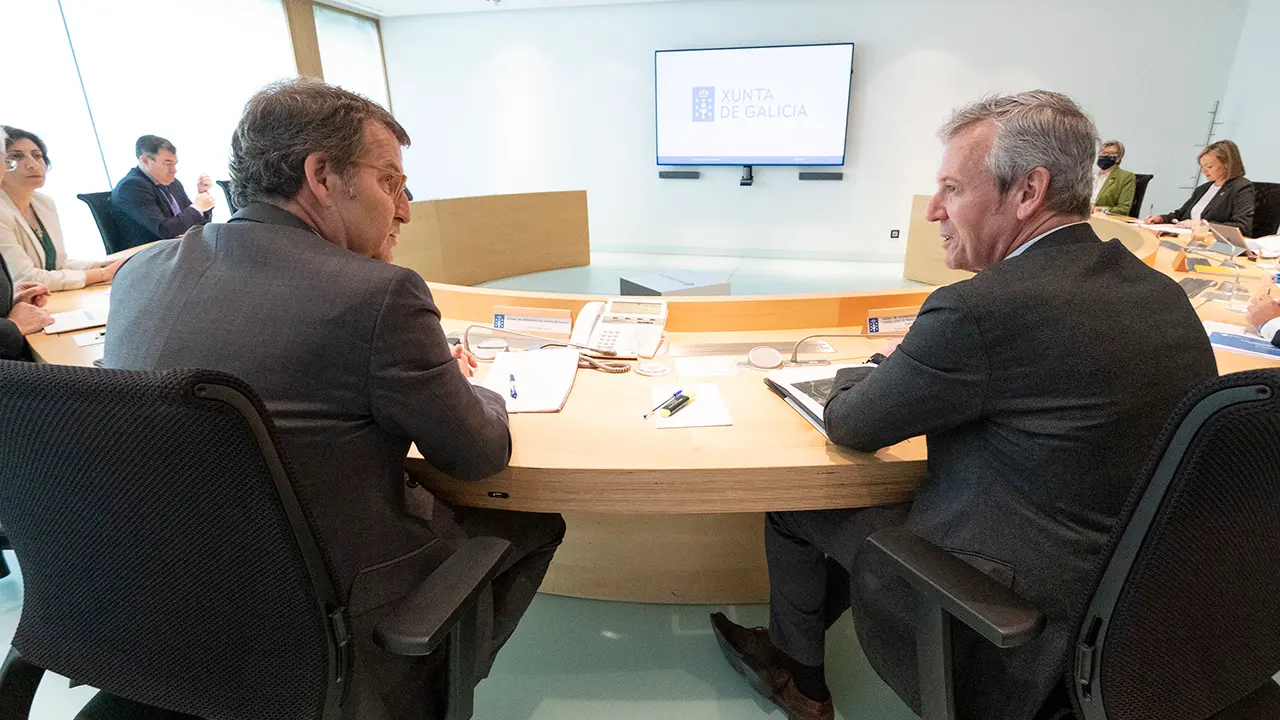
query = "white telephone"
{"x": 630, "y": 327}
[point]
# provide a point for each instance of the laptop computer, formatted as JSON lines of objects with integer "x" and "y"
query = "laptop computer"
{"x": 1228, "y": 240}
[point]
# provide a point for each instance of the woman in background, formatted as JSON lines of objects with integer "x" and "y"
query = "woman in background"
{"x": 1227, "y": 197}
{"x": 21, "y": 306}
{"x": 30, "y": 234}
{"x": 1113, "y": 186}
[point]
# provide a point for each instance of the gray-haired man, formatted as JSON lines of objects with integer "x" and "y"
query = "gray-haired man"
{"x": 1040, "y": 384}
{"x": 294, "y": 296}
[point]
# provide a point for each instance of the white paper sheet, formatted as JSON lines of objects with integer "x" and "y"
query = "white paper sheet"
{"x": 77, "y": 320}
{"x": 707, "y": 366}
{"x": 97, "y": 337}
{"x": 1168, "y": 229}
{"x": 542, "y": 379}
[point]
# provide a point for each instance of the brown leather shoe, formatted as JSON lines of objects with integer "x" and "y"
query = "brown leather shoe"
{"x": 799, "y": 707}
{"x": 752, "y": 654}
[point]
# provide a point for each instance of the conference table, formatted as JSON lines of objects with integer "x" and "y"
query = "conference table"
{"x": 675, "y": 515}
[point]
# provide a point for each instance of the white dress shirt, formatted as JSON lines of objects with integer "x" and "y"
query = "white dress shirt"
{"x": 1023, "y": 247}
{"x": 1098, "y": 181}
{"x": 1198, "y": 211}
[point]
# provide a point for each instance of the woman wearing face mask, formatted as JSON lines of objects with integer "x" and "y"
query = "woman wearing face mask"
{"x": 30, "y": 234}
{"x": 1227, "y": 197}
{"x": 1113, "y": 186}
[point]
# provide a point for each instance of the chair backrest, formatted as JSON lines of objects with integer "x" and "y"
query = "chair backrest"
{"x": 226, "y": 190}
{"x": 166, "y": 559}
{"x": 1139, "y": 193}
{"x": 1185, "y": 621}
{"x": 1266, "y": 209}
{"x": 100, "y": 205}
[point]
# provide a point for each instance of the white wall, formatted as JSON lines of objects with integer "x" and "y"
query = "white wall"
{"x": 557, "y": 99}
{"x": 1251, "y": 110}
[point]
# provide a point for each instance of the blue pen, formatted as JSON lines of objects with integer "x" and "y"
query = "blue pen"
{"x": 513, "y": 387}
{"x": 674, "y": 395}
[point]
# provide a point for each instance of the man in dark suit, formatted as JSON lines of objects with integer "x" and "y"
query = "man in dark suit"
{"x": 150, "y": 204}
{"x": 1040, "y": 385}
{"x": 294, "y": 296}
{"x": 21, "y": 314}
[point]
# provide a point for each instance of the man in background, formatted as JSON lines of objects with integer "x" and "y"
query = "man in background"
{"x": 295, "y": 297}
{"x": 1039, "y": 399}
{"x": 150, "y": 204}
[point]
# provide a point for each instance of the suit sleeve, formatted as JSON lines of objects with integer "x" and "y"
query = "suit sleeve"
{"x": 934, "y": 381}
{"x": 24, "y": 269}
{"x": 417, "y": 390}
{"x": 1242, "y": 206}
{"x": 1128, "y": 188}
{"x": 12, "y": 343}
{"x": 1184, "y": 212}
{"x": 138, "y": 202}
{"x": 184, "y": 201}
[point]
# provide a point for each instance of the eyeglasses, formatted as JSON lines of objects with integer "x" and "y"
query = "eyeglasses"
{"x": 392, "y": 183}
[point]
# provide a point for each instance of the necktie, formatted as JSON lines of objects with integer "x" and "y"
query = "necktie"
{"x": 173, "y": 203}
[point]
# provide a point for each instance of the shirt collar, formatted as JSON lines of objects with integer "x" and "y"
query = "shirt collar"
{"x": 1023, "y": 247}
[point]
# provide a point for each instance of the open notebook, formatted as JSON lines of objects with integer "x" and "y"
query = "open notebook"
{"x": 806, "y": 389}
{"x": 542, "y": 379}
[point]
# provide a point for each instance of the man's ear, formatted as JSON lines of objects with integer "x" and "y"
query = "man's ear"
{"x": 320, "y": 178}
{"x": 1031, "y": 192}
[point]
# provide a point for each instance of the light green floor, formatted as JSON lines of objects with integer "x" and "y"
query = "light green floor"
{"x": 576, "y": 659}
{"x": 747, "y": 276}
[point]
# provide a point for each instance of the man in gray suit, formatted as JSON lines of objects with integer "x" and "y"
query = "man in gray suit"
{"x": 294, "y": 296}
{"x": 1040, "y": 385}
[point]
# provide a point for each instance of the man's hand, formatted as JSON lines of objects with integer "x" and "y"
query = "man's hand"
{"x": 31, "y": 292}
{"x": 467, "y": 362}
{"x": 1154, "y": 220}
{"x": 203, "y": 202}
{"x": 1263, "y": 309}
{"x": 204, "y": 184}
{"x": 29, "y": 318}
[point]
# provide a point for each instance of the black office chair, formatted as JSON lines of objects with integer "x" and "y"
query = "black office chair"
{"x": 226, "y": 190}
{"x": 1266, "y": 209}
{"x": 1185, "y": 620}
{"x": 1139, "y": 193}
{"x": 168, "y": 562}
{"x": 100, "y": 205}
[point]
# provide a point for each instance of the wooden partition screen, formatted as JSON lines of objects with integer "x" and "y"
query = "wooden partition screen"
{"x": 465, "y": 241}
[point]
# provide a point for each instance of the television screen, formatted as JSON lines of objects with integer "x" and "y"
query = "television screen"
{"x": 753, "y": 106}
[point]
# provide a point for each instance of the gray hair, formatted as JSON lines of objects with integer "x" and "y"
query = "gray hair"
{"x": 1036, "y": 129}
{"x": 1119, "y": 146}
{"x": 289, "y": 120}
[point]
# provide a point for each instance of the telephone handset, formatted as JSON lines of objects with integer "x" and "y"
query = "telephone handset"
{"x": 630, "y": 327}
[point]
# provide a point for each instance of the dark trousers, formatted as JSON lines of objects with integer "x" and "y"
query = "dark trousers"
{"x": 811, "y": 555}
{"x": 534, "y": 538}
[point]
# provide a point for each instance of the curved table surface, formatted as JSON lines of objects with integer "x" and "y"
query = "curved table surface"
{"x": 672, "y": 515}
{"x": 599, "y": 455}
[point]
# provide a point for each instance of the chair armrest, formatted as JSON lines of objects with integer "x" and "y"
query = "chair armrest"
{"x": 992, "y": 610}
{"x": 421, "y": 620}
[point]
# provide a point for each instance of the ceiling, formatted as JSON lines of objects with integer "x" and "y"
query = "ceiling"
{"x": 393, "y": 8}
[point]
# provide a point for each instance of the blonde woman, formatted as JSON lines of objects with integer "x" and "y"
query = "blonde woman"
{"x": 1227, "y": 196}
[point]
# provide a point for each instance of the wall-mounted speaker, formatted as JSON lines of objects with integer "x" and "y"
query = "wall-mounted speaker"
{"x": 821, "y": 176}
{"x": 679, "y": 174}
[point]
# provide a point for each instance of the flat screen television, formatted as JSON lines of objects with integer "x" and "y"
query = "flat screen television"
{"x": 779, "y": 105}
